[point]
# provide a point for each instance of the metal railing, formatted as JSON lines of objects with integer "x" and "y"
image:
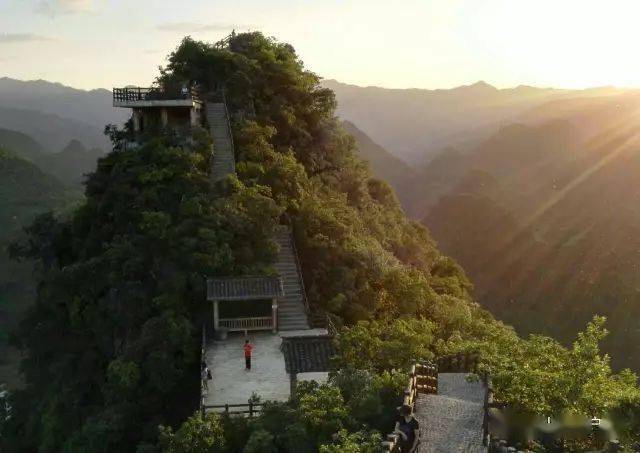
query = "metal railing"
{"x": 253, "y": 323}
{"x": 300, "y": 277}
{"x": 136, "y": 94}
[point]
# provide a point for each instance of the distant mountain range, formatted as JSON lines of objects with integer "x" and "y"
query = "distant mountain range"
{"x": 68, "y": 165}
{"x": 54, "y": 114}
{"x": 416, "y": 124}
{"x": 544, "y": 218}
{"x": 534, "y": 191}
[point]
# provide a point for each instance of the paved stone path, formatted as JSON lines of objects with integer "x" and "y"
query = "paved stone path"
{"x": 232, "y": 384}
{"x": 451, "y": 421}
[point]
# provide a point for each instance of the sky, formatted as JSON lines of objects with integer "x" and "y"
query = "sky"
{"x": 393, "y": 43}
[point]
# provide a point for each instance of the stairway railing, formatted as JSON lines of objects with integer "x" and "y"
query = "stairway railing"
{"x": 299, "y": 272}
{"x": 230, "y": 132}
{"x": 423, "y": 378}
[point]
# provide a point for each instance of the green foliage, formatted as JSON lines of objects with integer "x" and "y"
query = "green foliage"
{"x": 121, "y": 295}
{"x": 196, "y": 435}
{"x": 361, "y": 257}
{"x": 260, "y": 441}
{"x": 539, "y": 375}
{"x": 358, "y": 442}
{"x": 321, "y": 409}
{"x": 380, "y": 345}
{"x": 121, "y": 282}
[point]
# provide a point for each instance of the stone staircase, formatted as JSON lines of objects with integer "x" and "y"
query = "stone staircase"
{"x": 292, "y": 313}
{"x": 223, "y": 157}
{"x": 451, "y": 420}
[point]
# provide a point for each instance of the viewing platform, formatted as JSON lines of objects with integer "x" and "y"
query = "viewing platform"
{"x": 159, "y": 108}
{"x": 139, "y": 97}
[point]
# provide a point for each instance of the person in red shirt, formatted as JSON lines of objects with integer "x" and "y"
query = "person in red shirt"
{"x": 247, "y": 354}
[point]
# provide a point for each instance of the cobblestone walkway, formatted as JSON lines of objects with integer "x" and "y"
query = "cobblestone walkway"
{"x": 232, "y": 384}
{"x": 451, "y": 421}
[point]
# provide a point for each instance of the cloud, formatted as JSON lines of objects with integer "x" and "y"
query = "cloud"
{"x": 9, "y": 38}
{"x": 54, "y": 7}
{"x": 194, "y": 27}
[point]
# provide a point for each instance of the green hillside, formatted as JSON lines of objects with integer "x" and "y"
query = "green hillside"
{"x": 111, "y": 347}
{"x": 21, "y": 144}
{"x": 554, "y": 216}
{"x": 25, "y": 192}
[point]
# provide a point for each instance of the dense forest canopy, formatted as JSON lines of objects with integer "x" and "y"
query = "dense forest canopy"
{"x": 111, "y": 344}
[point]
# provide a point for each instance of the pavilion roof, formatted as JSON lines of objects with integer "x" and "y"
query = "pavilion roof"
{"x": 244, "y": 288}
{"x": 306, "y": 354}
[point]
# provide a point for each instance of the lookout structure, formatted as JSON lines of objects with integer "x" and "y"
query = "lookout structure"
{"x": 158, "y": 108}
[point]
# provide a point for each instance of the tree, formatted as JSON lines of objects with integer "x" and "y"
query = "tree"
{"x": 196, "y": 435}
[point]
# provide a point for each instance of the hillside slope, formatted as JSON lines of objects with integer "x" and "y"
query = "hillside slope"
{"x": 384, "y": 165}
{"x": 546, "y": 226}
{"x": 25, "y": 191}
{"x": 21, "y": 144}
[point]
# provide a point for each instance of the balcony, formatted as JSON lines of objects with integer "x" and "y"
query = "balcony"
{"x": 139, "y": 97}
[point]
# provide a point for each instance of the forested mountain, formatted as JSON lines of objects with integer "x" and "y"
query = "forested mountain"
{"x": 25, "y": 192}
{"x": 111, "y": 346}
{"x": 54, "y": 114}
{"x": 21, "y": 144}
{"x": 416, "y": 124}
{"x": 543, "y": 219}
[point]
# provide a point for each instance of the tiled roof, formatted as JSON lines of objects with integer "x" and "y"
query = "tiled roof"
{"x": 306, "y": 354}
{"x": 244, "y": 288}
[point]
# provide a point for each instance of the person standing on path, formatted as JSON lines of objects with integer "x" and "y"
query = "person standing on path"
{"x": 204, "y": 375}
{"x": 248, "y": 348}
{"x": 408, "y": 428}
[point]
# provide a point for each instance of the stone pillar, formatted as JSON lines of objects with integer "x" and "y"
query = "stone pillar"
{"x": 136, "y": 121}
{"x": 274, "y": 314}
{"x": 216, "y": 316}
{"x": 164, "y": 118}
{"x": 195, "y": 116}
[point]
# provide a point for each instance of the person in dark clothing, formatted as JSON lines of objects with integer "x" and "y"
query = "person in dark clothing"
{"x": 408, "y": 428}
{"x": 248, "y": 348}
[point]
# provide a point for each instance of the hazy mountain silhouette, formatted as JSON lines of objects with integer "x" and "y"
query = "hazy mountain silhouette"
{"x": 72, "y": 163}
{"x": 54, "y": 114}
{"x": 416, "y": 124}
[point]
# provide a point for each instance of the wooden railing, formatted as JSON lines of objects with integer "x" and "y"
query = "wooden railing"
{"x": 135, "y": 94}
{"x": 250, "y": 409}
{"x": 422, "y": 379}
{"x": 203, "y": 352}
{"x": 459, "y": 363}
{"x": 255, "y": 323}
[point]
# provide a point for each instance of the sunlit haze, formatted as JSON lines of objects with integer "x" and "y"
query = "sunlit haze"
{"x": 413, "y": 43}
